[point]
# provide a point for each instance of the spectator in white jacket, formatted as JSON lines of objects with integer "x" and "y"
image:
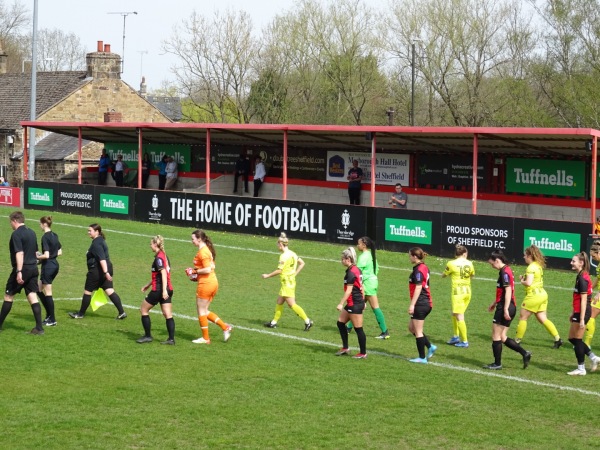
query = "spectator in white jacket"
{"x": 171, "y": 174}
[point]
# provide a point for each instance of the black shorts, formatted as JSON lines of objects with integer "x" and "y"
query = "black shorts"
{"x": 357, "y": 308}
{"x": 576, "y": 317}
{"x": 155, "y": 297}
{"x": 499, "y": 314}
{"x": 49, "y": 271}
{"x": 30, "y": 277}
{"x": 96, "y": 279}
{"x": 421, "y": 311}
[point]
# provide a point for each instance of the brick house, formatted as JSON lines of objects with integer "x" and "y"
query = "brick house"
{"x": 95, "y": 95}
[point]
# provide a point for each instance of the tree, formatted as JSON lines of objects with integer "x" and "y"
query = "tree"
{"x": 463, "y": 48}
{"x": 14, "y": 18}
{"x": 216, "y": 65}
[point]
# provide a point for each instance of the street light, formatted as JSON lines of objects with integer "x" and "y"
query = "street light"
{"x": 412, "y": 86}
{"x": 124, "y": 14}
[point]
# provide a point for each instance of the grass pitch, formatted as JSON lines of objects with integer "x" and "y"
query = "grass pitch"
{"x": 87, "y": 384}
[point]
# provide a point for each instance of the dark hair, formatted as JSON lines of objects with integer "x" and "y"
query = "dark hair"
{"x": 200, "y": 234}
{"x": 460, "y": 250}
{"x": 17, "y": 216}
{"x": 498, "y": 254}
{"x": 46, "y": 220}
{"x": 418, "y": 252}
{"x": 98, "y": 228}
{"x": 371, "y": 246}
{"x": 398, "y": 185}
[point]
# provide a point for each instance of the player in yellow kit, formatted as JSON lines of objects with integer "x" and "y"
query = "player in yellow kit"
{"x": 289, "y": 266}
{"x": 461, "y": 271}
{"x": 536, "y": 297}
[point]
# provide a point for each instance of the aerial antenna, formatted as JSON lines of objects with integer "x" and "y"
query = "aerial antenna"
{"x": 124, "y": 14}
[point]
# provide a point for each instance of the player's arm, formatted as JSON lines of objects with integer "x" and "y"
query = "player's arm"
{"x": 527, "y": 279}
{"x": 300, "y": 266}
{"x": 345, "y": 297}
{"x": 507, "y": 298}
{"x": 272, "y": 274}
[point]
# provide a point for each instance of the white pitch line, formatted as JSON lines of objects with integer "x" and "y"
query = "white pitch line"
{"x": 391, "y": 355}
{"x": 231, "y": 247}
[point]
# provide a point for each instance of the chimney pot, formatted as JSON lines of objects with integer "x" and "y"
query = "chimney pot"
{"x": 100, "y": 46}
{"x": 106, "y": 48}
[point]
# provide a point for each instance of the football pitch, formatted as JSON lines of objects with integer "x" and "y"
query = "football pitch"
{"x": 88, "y": 384}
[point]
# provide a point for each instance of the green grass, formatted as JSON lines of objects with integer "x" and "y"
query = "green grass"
{"x": 87, "y": 384}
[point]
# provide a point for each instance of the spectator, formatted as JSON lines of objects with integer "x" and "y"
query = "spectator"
{"x": 597, "y": 226}
{"x": 162, "y": 172}
{"x": 3, "y": 182}
{"x": 120, "y": 167}
{"x": 103, "y": 166}
{"x": 171, "y": 170}
{"x": 355, "y": 176}
{"x": 146, "y": 165}
{"x": 398, "y": 199}
{"x": 259, "y": 175}
{"x": 242, "y": 169}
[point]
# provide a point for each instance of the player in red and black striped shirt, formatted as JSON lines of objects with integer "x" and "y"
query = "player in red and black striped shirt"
{"x": 420, "y": 303}
{"x": 505, "y": 308}
{"x": 161, "y": 292}
{"x": 582, "y": 296}
{"x": 352, "y": 310}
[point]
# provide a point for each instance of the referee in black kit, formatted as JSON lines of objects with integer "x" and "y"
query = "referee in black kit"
{"x": 23, "y": 248}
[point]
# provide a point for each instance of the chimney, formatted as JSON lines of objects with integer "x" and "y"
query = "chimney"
{"x": 103, "y": 64}
{"x": 3, "y": 60}
{"x": 113, "y": 116}
{"x": 143, "y": 90}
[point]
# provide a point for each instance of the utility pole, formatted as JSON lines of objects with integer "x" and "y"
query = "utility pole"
{"x": 124, "y": 14}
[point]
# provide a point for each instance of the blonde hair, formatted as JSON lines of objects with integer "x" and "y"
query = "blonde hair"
{"x": 283, "y": 239}
{"x": 350, "y": 254}
{"x": 159, "y": 241}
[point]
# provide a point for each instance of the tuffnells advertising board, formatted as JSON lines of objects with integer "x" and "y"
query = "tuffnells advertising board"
{"x": 114, "y": 202}
{"x": 550, "y": 177}
{"x": 314, "y": 221}
{"x": 40, "y": 195}
{"x": 399, "y": 230}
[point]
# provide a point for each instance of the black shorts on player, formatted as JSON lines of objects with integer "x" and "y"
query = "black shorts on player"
{"x": 155, "y": 297}
{"x": 421, "y": 311}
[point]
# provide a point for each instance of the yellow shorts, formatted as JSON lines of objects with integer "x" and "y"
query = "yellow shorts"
{"x": 461, "y": 297}
{"x": 288, "y": 289}
{"x": 596, "y": 304}
{"x": 536, "y": 301}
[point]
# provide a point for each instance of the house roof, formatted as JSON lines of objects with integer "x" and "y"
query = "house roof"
{"x": 169, "y": 106}
{"x": 544, "y": 142}
{"x": 57, "y": 147}
{"x": 51, "y": 87}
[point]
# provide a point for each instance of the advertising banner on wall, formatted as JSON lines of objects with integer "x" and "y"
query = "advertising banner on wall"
{"x": 40, "y": 195}
{"x": 389, "y": 168}
{"x": 558, "y": 241}
{"x": 549, "y": 177}
{"x": 399, "y": 230}
{"x": 180, "y": 153}
{"x": 319, "y": 222}
{"x": 76, "y": 199}
{"x": 10, "y": 196}
{"x": 448, "y": 170}
{"x": 115, "y": 202}
{"x": 480, "y": 234}
{"x": 302, "y": 163}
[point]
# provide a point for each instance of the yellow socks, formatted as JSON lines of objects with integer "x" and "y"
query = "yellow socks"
{"x": 548, "y": 325}
{"x": 589, "y": 332}
{"x": 298, "y": 310}
{"x": 521, "y": 329}
{"x": 462, "y": 330}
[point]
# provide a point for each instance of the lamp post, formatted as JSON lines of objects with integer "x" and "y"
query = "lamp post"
{"x": 31, "y": 174}
{"x": 124, "y": 14}
{"x": 412, "y": 85}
